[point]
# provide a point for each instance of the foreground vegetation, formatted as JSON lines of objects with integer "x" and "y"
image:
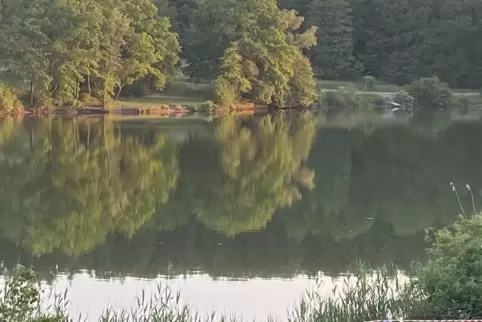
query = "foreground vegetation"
{"x": 448, "y": 286}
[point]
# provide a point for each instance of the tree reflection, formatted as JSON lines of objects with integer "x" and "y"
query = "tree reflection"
{"x": 253, "y": 197}
{"x": 76, "y": 183}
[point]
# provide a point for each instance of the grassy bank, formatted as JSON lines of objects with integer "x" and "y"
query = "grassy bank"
{"x": 448, "y": 286}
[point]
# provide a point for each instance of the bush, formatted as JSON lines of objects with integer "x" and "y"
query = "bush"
{"x": 430, "y": 93}
{"x": 463, "y": 104}
{"x": 369, "y": 82}
{"x": 225, "y": 94}
{"x": 404, "y": 99}
{"x": 20, "y": 300}
{"x": 451, "y": 281}
{"x": 9, "y": 101}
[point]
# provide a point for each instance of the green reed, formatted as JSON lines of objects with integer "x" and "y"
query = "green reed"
{"x": 366, "y": 295}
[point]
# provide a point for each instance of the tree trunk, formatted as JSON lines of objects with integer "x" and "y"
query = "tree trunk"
{"x": 77, "y": 91}
{"x": 274, "y": 103}
{"x": 88, "y": 85}
{"x": 31, "y": 92}
{"x": 119, "y": 91}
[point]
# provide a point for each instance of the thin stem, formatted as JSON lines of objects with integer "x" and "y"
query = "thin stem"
{"x": 460, "y": 203}
{"x": 472, "y": 196}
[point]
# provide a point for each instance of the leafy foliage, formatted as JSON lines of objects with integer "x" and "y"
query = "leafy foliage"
{"x": 259, "y": 49}
{"x": 431, "y": 94}
{"x": 405, "y": 100}
{"x": 9, "y": 101}
{"x": 53, "y": 49}
{"x": 332, "y": 57}
{"x": 450, "y": 282}
{"x": 21, "y": 300}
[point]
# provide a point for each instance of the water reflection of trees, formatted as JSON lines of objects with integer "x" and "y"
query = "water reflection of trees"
{"x": 258, "y": 196}
{"x": 66, "y": 184}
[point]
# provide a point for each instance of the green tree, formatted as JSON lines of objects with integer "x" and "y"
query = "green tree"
{"x": 52, "y": 47}
{"x": 332, "y": 57}
{"x": 136, "y": 43}
{"x": 257, "y": 48}
{"x": 430, "y": 94}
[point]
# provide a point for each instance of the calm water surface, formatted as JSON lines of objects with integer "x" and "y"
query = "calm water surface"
{"x": 240, "y": 214}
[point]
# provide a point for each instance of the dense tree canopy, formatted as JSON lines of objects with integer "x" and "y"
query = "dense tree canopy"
{"x": 250, "y": 47}
{"x": 53, "y": 48}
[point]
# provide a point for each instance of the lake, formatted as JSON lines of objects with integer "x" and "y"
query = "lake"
{"x": 241, "y": 214}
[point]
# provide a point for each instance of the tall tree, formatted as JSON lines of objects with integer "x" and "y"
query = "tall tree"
{"x": 332, "y": 57}
{"x": 249, "y": 48}
{"x": 136, "y": 43}
{"x": 50, "y": 47}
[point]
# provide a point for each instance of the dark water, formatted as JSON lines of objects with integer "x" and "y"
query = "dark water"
{"x": 233, "y": 208}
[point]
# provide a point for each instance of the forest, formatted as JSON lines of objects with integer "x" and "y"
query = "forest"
{"x": 62, "y": 52}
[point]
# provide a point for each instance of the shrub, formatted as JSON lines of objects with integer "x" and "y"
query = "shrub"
{"x": 44, "y": 102}
{"x": 225, "y": 94}
{"x": 369, "y": 82}
{"x": 451, "y": 281}
{"x": 20, "y": 300}
{"x": 9, "y": 101}
{"x": 430, "y": 93}
{"x": 463, "y": 104}
{"x": 404, "y": 99}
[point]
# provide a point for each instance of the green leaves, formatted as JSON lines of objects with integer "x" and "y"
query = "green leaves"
{"x": 9, "y": 101}
{"x": 451, "y": 280}
{"x": 251, "y": 48}
{"x": 51, "y": 47}
{"x": 332, "y": 57}
{"x": 232, "y": 82}
{"x": 431, "y": 94}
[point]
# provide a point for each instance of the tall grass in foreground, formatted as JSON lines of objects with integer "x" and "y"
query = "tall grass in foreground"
{"x": 163, "y": 306}
{"x": 364, "y": 296}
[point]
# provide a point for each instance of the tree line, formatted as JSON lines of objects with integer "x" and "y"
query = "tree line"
{"x": 60, "y": 52}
